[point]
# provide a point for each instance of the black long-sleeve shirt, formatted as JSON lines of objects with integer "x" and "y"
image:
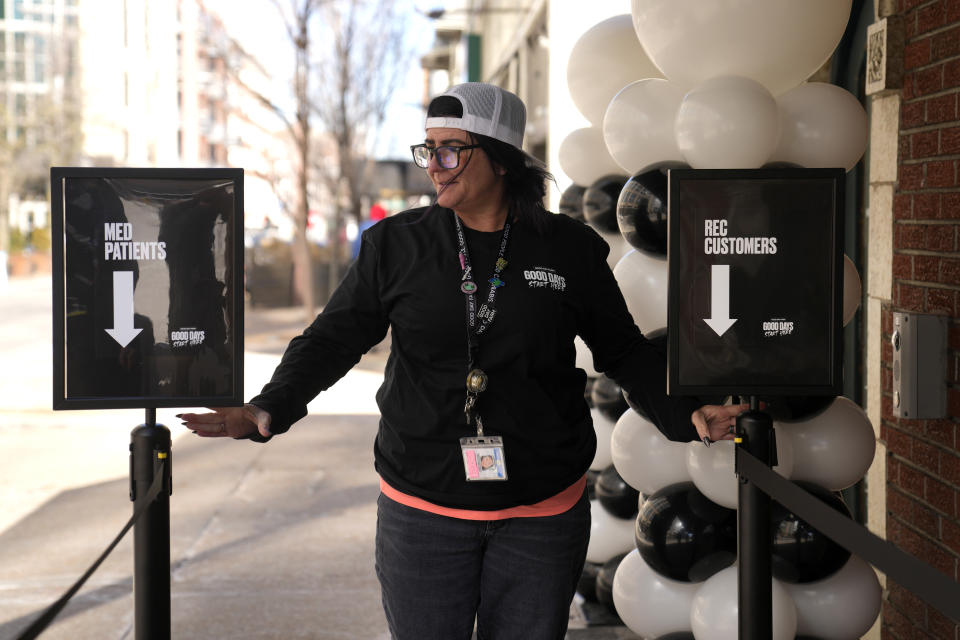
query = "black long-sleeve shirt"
{"x": 557, "y": 285}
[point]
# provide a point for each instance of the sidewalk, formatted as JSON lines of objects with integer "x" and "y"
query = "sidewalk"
{"x": 267, "y": 541}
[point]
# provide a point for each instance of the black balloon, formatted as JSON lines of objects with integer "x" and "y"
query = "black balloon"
{"x": 571, "y": 201}
{"x": 615, "y": 495}
{"x": 600, "y": 203}
{"x": 659, "y": 339}
{"x": 795, "y": 408}
{"x": 642, "y": 210}
{"x": 607, "y": 398}
{"x": 592, "y": 477}
{"x": 781, "y": 164}
{"x": 587, "y": 585}
{"x": 588, "y": 391}
{"x": 800, "y": 552}
{"x": 685, "y": 536}
{"x": 605, "y": 579}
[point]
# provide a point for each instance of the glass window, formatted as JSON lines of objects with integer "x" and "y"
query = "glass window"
{"x": 20, "y": 107}
{"x": 19, "y": 42}
{"x": 3, "y": 9}
{"x": 3, "y": 34}
{"x": 18, "y": 9}
{"x": 38, "y": 70}
{"x": 19, "y": 71}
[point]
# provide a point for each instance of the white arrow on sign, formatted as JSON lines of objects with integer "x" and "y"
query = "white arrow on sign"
{"x": 123, "y": 331}
{"x": 720, "y": 319}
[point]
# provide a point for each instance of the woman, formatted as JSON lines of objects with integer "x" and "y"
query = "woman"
{"x": 483, "y": 516}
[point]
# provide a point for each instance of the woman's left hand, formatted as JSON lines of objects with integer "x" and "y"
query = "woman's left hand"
{"x": 716, "y": 422}
{"x": 228, "y": 422}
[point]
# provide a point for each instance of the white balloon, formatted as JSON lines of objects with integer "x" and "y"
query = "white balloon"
{"x": 852, "y": 290}
{"x": 583, "y": 156}
{"x": 606, "y": 58}
{"x": 713, "y": 613}
{"x": 727, "y": 122}
{"x": 821, "y": 125}
{"x": 778, "y": 43}
{"x": 834, "y": 448}
{"x": 649, "y": 604}
{"x": 643, "y": 456}
{"x": 618, "y": 246}
{"x": 604, "y": 428}
{"x": 609, "y": 535}
{"x": 584, "y": 357}
{"x": 643, "y": 281}
{"x": 711, "y": 469}
{"x": 844, "y": 605}
{"x": 638, "y": 125}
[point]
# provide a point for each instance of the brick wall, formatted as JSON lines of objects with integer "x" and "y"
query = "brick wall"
{"x": 923, "y": 456}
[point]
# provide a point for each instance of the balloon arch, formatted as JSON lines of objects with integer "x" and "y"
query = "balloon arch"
{"x": 684, "y": 83}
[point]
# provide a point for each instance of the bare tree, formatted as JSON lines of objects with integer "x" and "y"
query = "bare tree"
{"x": 357, "y": 77}
{"x": 352, "y": 49}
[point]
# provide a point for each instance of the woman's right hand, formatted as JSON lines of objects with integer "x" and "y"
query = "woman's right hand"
{"x": 228, "y": 422}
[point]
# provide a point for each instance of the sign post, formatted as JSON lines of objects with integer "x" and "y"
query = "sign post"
{"x": 148, "y": 313}
{"x": 754, "y": 310}
{"x": 149, "y": 453}
{"x": 754, "y": 586}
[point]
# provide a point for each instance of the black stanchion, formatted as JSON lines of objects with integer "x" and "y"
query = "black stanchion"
{"x": 755, "y": 595}
{"x": 149, "y": 455}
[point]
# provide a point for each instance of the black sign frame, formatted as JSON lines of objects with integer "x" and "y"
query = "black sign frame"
{"x": 825, "y": 379}
{"x": 234, "y": 280}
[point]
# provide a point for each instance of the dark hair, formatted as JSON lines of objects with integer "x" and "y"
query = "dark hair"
{"x": 445, "y": 106}
{"x": 525, "y": 181}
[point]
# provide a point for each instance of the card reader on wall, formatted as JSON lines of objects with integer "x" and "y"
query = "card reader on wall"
{"x": 919, "y": 365}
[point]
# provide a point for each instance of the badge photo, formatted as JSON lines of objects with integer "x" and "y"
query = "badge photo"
{"x": 483, "y": 458}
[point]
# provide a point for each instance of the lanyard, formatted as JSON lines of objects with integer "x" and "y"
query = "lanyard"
{"x": 478, "y": 320}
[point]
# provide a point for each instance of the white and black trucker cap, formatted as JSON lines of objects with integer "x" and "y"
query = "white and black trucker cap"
{"x": 487, "y": 110}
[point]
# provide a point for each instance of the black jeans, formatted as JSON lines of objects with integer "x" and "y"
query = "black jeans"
{"x": 516, "y": 577}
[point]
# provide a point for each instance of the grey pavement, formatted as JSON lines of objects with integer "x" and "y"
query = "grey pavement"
{"x": 267, "y": 541}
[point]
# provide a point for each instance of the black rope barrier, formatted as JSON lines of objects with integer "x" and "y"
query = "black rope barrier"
{"x": 140, "y": 506}
{"x": 930, "y": 585}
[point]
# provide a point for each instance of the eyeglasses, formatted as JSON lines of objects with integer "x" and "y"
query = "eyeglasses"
{"x": 447, "y": 156}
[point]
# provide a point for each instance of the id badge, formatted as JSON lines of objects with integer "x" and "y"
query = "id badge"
{"x": 483, "y": 458}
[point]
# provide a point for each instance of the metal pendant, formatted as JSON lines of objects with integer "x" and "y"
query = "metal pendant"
{"x": 476, "y": 381}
